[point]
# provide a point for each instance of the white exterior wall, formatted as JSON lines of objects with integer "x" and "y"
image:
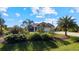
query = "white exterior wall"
{"x": 46, "y": 29}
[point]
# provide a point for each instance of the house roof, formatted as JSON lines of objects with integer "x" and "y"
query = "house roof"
{"x": 45, "y": 24}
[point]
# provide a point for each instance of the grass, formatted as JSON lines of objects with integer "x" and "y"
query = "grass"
{"x": 73, "y": 46}
{"x": 70, "y": 47}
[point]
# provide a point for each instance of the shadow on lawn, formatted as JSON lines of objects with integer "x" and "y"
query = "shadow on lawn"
{"x": 51, "y": 44}
{"x": 13, "y": 47}
{"x": 39, "y": 45}
{"x": 75, "y": 39}
{"x": 64, "y": 42}
{"x": 43, "y": 45}
{"x": 8, "y": 47}
{"x": 23, "y": 46}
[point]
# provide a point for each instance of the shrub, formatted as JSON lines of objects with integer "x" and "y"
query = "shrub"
{"x": 35, "y": 37}
{"x": 7, "y": 33}
{"x": 46, "y": 37}
{"x": 15, "y": 38}
{"x": 40, "y": 31}
{"x": 24, "y": 32}
{"x": 16, "y": 29}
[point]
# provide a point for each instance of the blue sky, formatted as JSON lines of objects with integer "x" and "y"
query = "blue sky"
{"x": 16, "y": 15}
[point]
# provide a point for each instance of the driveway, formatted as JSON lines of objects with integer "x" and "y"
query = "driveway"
{"x": 69, "y": 33}
{"x": 1, "y": 40}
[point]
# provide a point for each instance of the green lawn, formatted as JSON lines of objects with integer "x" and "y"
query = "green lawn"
{"x": 73, "y": 46}
{"x": 70, "y": 47}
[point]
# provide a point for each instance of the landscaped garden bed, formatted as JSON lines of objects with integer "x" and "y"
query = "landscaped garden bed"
{"x": 36, "y": 42}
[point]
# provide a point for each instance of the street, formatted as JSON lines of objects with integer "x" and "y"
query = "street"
{"x": 69, "y": 33}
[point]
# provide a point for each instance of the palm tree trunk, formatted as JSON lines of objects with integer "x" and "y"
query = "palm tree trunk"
{"x": 65, "y": 31}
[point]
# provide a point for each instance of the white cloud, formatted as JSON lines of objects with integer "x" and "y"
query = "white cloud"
{"x": 51, "y": 20}
{"x": 48, "y": 20}
{"x": 3, "y": 9}
{"x": 17, "y": 14}
{"x": 35, "y": 10}
{"x": 71, "y": 11}
{"x": 48, "y": 10}
{"x": 73, "y": 17}
{"x": 5, "y": 14}
{"x": 42, "y": 11}
{"x": 76, "y": 9}
{"x": 39, "y": 16}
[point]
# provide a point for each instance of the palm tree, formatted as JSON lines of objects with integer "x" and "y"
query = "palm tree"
{"x": 27, "y": 24}
{"x": 66, "y": 22}
{"x": 2, "y": 21}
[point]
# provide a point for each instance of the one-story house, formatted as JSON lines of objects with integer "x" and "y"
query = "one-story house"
{"x": 42, "y": 26}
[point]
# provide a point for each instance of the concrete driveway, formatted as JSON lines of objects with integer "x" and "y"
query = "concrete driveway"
{"x": 69, "y": 33}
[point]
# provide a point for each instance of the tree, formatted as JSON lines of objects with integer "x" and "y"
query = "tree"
{"x": 27, "y": 24}
{"x": 66, "y": 22}
{"x": 2, "y": 21}
{"x": 16, "y": 29}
